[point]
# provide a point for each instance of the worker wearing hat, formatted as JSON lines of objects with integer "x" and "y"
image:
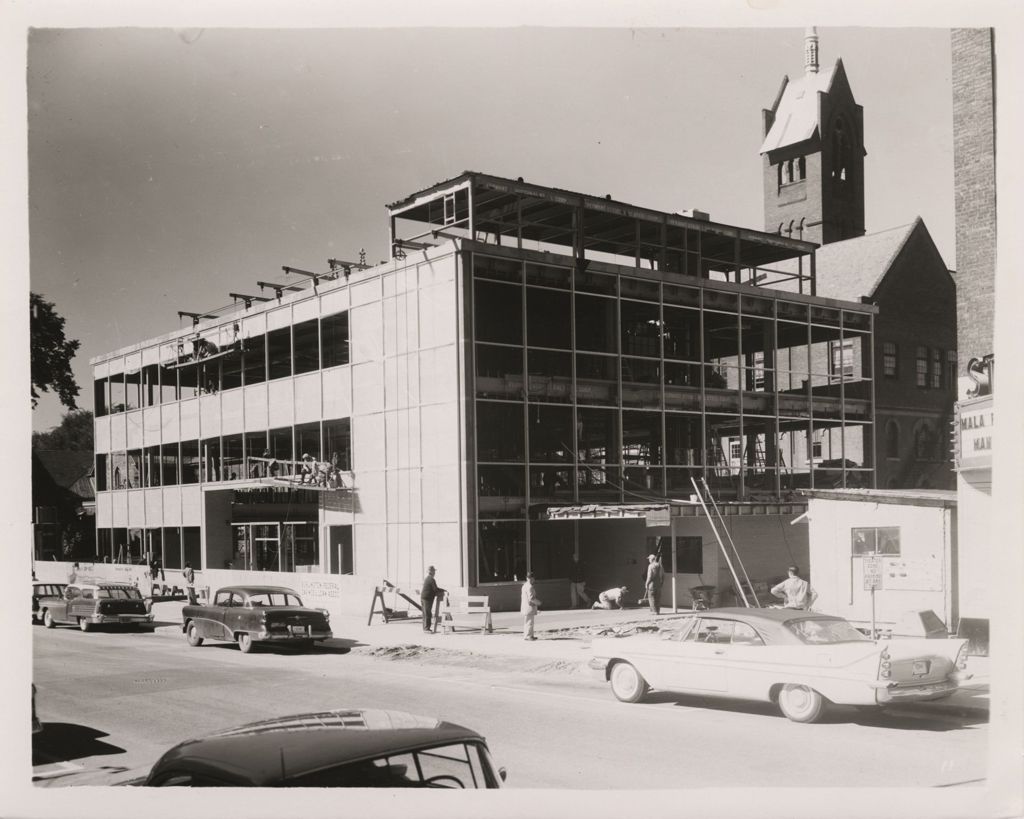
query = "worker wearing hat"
{"x": 655, "y": 577}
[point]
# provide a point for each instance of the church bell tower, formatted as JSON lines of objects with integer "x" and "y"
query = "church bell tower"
{"x": 813, "y": 155}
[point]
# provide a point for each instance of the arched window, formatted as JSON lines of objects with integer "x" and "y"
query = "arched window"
{"x": 892, "y": 439}
{"x": 801, "y": 168}
{"x": 924, "y": 441}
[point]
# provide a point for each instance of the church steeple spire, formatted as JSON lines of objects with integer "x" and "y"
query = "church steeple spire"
{"x": 811, "y": 51}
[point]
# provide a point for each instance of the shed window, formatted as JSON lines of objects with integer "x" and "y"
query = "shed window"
{"x": 883, "y": 540}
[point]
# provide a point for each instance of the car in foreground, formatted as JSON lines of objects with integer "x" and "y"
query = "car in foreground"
{"x": 249, "y": 615}
{"x": 798, "y": 659}
{"x": 349, "y": 748}
{"x": 93, "y": 604}
{"x": 43, "y": 591}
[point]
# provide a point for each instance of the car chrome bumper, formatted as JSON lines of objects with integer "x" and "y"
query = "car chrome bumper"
{"x": 916, "y": 693}
{"x": 287, "y": 636}
{"x": 111, "y": 619}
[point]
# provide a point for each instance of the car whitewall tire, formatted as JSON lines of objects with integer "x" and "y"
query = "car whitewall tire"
{"x": 801, "y": 703}
{"x": 48, "y": 619}
{"x": 192, "y": 635}
{"x": 84, "y": 624}
{"x": 627, "y": 684}
{"x": 245, "y": 642}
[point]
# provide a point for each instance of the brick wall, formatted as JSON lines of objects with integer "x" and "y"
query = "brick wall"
{"x": 975, "y": 194}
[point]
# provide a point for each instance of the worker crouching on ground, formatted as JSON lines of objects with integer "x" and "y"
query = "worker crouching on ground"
{"x": 611, "y": 599}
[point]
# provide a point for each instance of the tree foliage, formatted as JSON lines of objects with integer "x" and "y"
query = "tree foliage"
{"x": 51, "y": 354}
{"x": 73, "y": 433}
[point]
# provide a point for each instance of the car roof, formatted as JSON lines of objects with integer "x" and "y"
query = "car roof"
{"x": 773, "y": 615}
{"x": 256, "y": 589}
{"x": 104, "y": 585}
{"x": 267, "y": 752}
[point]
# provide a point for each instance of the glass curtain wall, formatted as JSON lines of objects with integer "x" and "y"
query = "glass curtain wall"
{"x": 594, "y": 387}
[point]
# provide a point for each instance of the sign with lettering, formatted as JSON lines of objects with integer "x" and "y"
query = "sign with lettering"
{"x": 872, "y": 566}
{"x": 975, "y": 425}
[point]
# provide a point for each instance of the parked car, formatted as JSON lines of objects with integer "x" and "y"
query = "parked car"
{"x": 248, "y": 615}
{"x": 41, "y": 591}
{"x": 91, "y": 604}
{"x": 333, "y": 749}
{"x": 798, "y": 659}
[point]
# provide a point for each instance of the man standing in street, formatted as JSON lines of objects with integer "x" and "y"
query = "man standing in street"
{"x": 655, "y": 577}
{"x": 528, "y": 607}
{"x": 190, "y": 583}
{"x": 795, "y": 591}
{"x": 428, "y": 594}
{"x": 578, "y": 584}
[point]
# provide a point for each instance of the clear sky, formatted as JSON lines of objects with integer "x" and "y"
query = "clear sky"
{"x": 168, "y": 167}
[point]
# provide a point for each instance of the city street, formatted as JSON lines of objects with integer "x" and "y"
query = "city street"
{"x": 112, "y": 702}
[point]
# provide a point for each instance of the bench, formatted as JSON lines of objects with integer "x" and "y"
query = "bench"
{"x": 466, "y": 611}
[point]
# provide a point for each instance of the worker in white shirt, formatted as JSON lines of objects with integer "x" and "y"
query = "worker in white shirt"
{"x": 795, "y": 591}
{"x": 611, "y": 599}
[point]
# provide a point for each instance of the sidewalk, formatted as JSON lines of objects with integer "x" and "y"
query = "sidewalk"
{"x": 559, "y": 637}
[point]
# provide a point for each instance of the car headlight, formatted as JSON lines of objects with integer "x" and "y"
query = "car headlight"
{"x": 325, "y": 613}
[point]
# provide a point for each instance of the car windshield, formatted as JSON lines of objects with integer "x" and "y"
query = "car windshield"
{"x": 819, "y": 632}
{"x": 119, "y": 594}
{"x": 274, "y": 599}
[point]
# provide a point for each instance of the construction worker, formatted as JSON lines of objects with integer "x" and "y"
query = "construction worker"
{"x": 795, "y": 591}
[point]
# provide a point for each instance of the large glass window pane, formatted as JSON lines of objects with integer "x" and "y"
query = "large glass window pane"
{"x": 502, "y": 489}
{"x": 299, "y": 548}
{"x": 151, "y": 466}
{"x": 168, "y": 385}
{"x": 499, "y": 371}
{"x": 596, "y": 326}
{"x": 133, "y": 390}
{"x": 231, "y": 454}
{"x": 134, "y": 473}
{"x": 548, "y": 319}
{"x": 254, "y": 359}
{"x": 100, "y": 405}
{"x": 552, "y": 544}
{"x": 552, "y": 483}
{"x": 597, "y": 379}
{"x": 211, "y": 459}
{"x": 279, "y": 353}
{"x": 552, "y": 437}
{"x": 499, "y": 429}
{"x": 307, "y": 440}
{"x": 169, "y": 464}
{"x": 188, "y": 381}
{"x": 338, "y": 443}
{"x": 306, "y": 339}
{"x": 117, "y": 397}
{"x": 192, "y": 546}
{"x": 641, "y": 329}
{"x": 641, "y": 438}
{"x": 150, "y": 386}
{"x": 102, "y": 472}
{"x": 598, "y": 435}
{"x": 334, "y": 342}
{"x": 118, "y": 470}
{"x": 502, "y": 551}
{"x": 231, "y": 370}
{"x": 281, "y": 446}
{"x": 172, "y": 551}
{"x": 340, "y": 550}
{"x": 588, "y": 281}
{"x": 682, "y": 439}
{"x": 682, "y": 334}
{"x": 190, "y": 461}
{"x": 209, "y": 376}
{"x": 498, "y": 312}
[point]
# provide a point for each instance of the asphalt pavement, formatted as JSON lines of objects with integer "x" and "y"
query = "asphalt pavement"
{"x": 562, "y": 635}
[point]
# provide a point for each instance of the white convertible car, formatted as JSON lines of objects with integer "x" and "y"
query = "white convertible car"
{"x": 799, "y": 659}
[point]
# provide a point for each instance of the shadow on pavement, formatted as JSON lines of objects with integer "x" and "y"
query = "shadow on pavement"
{"x": 905, "y": 717}
{"x": 65, "y": 741}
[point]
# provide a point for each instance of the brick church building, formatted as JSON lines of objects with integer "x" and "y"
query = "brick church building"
{"x": 813, "y": 168}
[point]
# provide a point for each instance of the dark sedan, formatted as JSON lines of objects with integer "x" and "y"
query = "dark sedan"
{"x": 349, "y": 748}
{"x": 96, "y": 604}
{"x": 248, "y": 615}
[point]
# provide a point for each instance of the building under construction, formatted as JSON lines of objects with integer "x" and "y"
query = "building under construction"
{"x": 533, "y": 374}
